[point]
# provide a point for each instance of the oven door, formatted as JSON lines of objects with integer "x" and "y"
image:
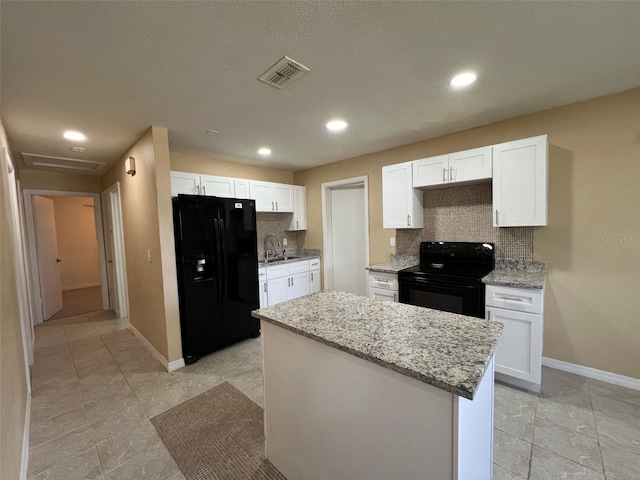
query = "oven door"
{"x": 462, "y": 297}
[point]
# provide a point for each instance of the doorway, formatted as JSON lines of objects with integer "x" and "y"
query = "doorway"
{"x": 66, "y": 250}
{"x": 114, "y": 239}
{"x": 345, "y": 225}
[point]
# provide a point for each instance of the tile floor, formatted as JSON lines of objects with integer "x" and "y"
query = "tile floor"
{"x": 95, "y": 386}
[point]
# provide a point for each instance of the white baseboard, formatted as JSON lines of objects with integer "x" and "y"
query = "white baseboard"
{"x": 81, "y": 285}
{"x": 176, "y": 364}
{"x": 25, "y": 439}
{"x": 169, "y": 366}
{"x": 594, "y": 373}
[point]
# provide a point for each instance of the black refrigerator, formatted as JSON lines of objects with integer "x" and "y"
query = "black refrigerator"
{"x": 217, "y": 259}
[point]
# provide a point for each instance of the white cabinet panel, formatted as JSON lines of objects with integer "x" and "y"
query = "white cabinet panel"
{"x": 262, "y": 286}
{"x": 299, "y": 285}
{"x": 519, "y": 350}
{"x": 283, "y": 197}
{"x": 242, "y": 188}
{"x": 314, "y": 281}
{"x": 213, "y": 186}
{"x": 382, "y": 294}
{"x": 299, "y": 218}
{"x": 383, "y": 286}
{"x": 430, "y": 171}
{"x": 470, "y": 165}
{"x": 278, "y": 290}
{"x": 184, "y": 183}
{"x": 261, "y": 193}
{"x": 401, "y": 204}
{"x": 526, "y": 300}
{"x": 520, "y": 170}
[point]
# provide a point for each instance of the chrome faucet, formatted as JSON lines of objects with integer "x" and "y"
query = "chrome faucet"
{"x": 266, "y": 241}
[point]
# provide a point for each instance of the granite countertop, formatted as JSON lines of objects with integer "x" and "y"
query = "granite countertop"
{"x": 398, "y": 262}
{"x": 520, "y": 274}
{"x": 298, "y": 254}
{"x": 446, "y": 350}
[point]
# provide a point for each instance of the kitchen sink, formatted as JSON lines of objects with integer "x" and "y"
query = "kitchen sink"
{"x": 279, "y": 259}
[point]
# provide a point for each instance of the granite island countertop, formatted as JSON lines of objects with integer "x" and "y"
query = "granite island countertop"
{"x": 398, "y": 262}
{"x": 446, "y": 350}
{"x": 519, "y": 274}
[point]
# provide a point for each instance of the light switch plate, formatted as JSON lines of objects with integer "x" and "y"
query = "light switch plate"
{"x": 149, "y": 255}
{"x": 392, "y": 242}
{"x": 284, "y": 242}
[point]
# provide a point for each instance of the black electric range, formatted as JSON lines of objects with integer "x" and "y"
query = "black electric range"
{"x": 449, "y": 277}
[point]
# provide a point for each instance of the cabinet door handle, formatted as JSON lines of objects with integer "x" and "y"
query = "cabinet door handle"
{"x": 444, "y": 175}
{"x": 312, "y": 276}
{"x": 296, "y": 224}
{"x": 204, "y": 189}
{"x": 265, "y": 287}
{"x": 408, "y": 220}
{"x": 292, "y": 281}
{"x": 197, "y": 192}
{"x": 488, "y": 315}
{"x": 497, "y": 218}
{"x": 272, "y": 206}
{"x": 394, "y": 297}
{"x": 276, "y": 206}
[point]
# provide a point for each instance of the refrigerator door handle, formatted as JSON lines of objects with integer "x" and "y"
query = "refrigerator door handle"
{"x": 219, "y": 259}
{"x": 221, "y": 238}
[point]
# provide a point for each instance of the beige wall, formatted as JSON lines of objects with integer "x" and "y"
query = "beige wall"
{"x": 183, "y": 162}
{"x": 146, "y": 212}
{"x": 13, "y": 381}
{"x": 591, "y": 313}
{"x": 77, "y": 242}
{"x": 66, "y": 182}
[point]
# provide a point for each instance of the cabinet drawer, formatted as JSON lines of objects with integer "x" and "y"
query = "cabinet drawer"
{"x": 519, "y": 299}
{"x": 383, "y": 294}
{"x": 277, "y": 271}
{"x": 299, "y": 267}
{"x": 314, "y": 264}
{"x": 387, "y": 281}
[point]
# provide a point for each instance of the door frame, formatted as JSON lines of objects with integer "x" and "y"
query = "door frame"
{"x": 327, "y": 232}
{"x": 121, "y": 293}
{"x": 33, "y": 253}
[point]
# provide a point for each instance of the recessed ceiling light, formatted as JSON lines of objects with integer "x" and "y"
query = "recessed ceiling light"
{"x": 78, "y": 149}
{"x": 463, "y": 79}
{"x": 264, "y": 151}
{"x": 75, "y": 136}
{"x": 213, "y": 133}
{"x": 336, "y": 125}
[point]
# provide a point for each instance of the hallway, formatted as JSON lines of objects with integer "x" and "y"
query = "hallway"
{"x": 79, "y": 301}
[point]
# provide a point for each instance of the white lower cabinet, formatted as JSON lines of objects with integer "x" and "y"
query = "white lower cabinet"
{"x": 262, "y": 286}
{"x": 292, "y": 280}
{"x": 383, "y": 286}
{"x": 519, "y": 351}
{"x": 314, "y": 275}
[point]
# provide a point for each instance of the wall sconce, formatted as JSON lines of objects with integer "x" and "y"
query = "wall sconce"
{"x": 130, "y": 166}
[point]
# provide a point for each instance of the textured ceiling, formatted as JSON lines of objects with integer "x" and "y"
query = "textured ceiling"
{"x": 111, "y": 69}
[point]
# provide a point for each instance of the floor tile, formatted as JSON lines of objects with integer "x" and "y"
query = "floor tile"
{"x": 161, "y": 401}
{"x": 45, "y": 429}
{"x": 511, "y": 453}
{"x": 567, "y": 443}
{"x": 93, "y": 392}
{"x": 254, "y": 358}
{"x": 60, "y": 449}
{"x": 546, "y": 465}
{"x": 249, "y": 381}
{"x": 616, "y": 431}
{"x": 525, "y": 402}
{"x": 55, "y": 402}
{"x": 614, "y": 391}
{"x": 196, "y": 383}
{"x": 575, "y": 418}
{"x": 620, "y": 463}
{"x": 513, "y": 421}
{"x": 111, "y": 405}
{"x": 501, "y": 473}
{"x": 106, "y": 373}
{"x": 153, "y": 464}
{"x": 108, "y": 426}
{"x": 120, "y": 449}
{"x": 84, "y": 466}
{"x": 53, "y": 387}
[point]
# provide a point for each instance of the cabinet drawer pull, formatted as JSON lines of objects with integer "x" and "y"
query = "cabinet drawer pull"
{"x": 510, "y": 299}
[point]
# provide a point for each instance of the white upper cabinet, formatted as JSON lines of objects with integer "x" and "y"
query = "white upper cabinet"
{"x": 271, "y": 197}
{"x": 520, "y": 170}
{"x": 467, "y": 166}
{"x": 217, "y": 186}
{"x": 299, "y": 218}
{"x": 401, "y": 204}
{"x": 185, "y": 183}
{"x": 470, "y": 165}
{"x": 430, "y": 171}
{"x": 242, "y": 188}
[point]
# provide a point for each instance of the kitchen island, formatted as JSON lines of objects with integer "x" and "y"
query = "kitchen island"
{"x": 358, "y": 388}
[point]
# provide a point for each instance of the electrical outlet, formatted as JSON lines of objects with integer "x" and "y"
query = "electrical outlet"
{"x": 392, "y": 242}
{"x": 149, "y": 255}
{"x": 284, "y": 242}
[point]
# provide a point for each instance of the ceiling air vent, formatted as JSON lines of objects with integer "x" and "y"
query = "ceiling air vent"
{"x": 85, "y": 166}
{"x": 283, "y": 73}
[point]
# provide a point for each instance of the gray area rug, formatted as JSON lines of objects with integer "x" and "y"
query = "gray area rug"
{"x": 219, "y": 435}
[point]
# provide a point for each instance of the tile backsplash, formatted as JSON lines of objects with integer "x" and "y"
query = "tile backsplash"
{"x": 464, "y": 214}
{"x": 273, "y": 223}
